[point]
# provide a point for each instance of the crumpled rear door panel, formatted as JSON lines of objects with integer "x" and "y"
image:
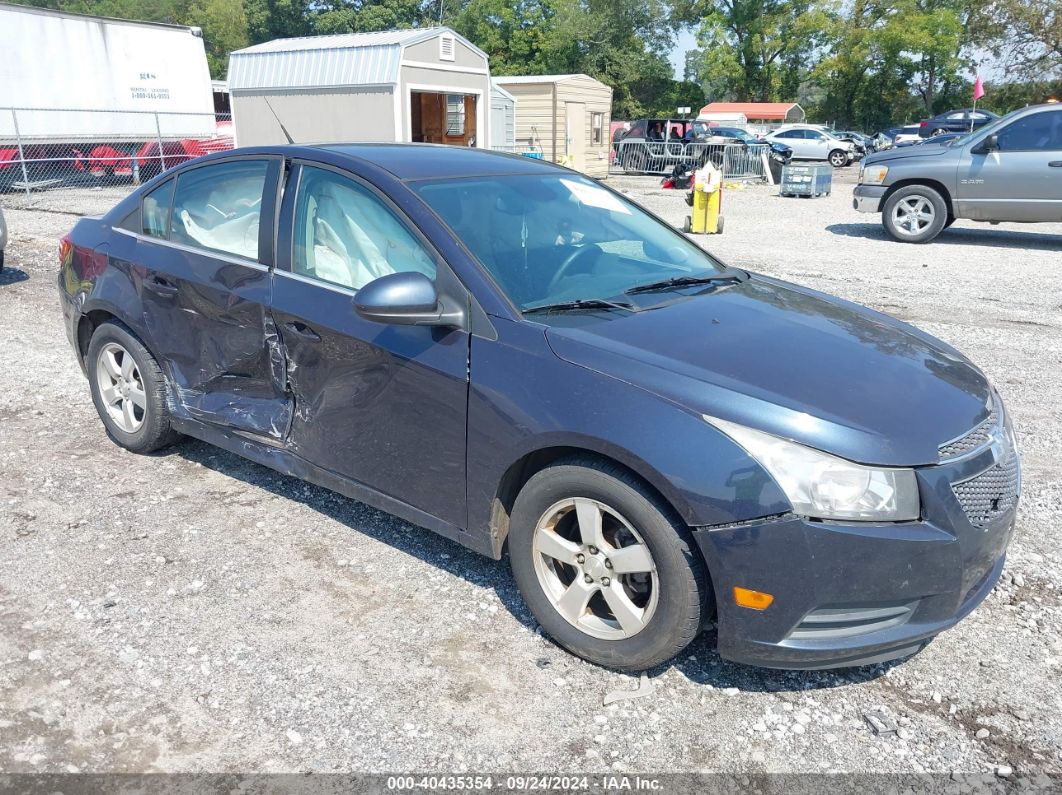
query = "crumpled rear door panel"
{"x": 208, "y": 320}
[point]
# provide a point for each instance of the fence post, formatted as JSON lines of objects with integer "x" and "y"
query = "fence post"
{"x": 21, "y": 153}
{"x": 158, "y": 133}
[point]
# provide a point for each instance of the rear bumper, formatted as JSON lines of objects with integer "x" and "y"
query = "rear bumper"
{"x": 858, "y": 593}
{"x": 867, "y": 198}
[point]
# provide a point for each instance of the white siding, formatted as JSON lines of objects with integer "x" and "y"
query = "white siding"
{"x": 362, "y": 114}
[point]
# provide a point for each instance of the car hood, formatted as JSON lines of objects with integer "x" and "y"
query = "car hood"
{"x": 917, "y": 150}
{"x": 794, "y": 362}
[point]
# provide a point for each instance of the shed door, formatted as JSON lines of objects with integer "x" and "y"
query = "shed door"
{"x": 575, "y": 124}
{"x": 502, "y": 132}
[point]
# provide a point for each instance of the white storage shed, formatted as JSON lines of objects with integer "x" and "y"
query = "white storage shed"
{"x": 502, "y": 119}
{"x": 429, "y": 85}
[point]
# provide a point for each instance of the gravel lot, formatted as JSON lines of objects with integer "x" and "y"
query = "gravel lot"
{"x": 191, "y": 611}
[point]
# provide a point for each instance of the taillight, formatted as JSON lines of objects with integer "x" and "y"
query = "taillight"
{"x": 923, "y": 124}
{"x": 66, "y": 251}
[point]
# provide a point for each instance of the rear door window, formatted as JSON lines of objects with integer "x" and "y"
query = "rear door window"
{"x": 155, "y": 211}
{"x": 219, "y": 207}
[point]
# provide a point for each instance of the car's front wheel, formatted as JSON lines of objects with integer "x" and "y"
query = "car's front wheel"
{"x": 838, "y": 158}
{"x": 128, "y": 390}
{"x": 607, "y": 570}
{"x": 914, "y": 214}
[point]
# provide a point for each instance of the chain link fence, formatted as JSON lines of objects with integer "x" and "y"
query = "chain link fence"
{"x": 737, "y": 161}
{"x": 48, "y": 154}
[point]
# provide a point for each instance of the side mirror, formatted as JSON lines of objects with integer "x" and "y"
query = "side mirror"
{"x": 989, "y": 144}
{"x": 407, "y": 299}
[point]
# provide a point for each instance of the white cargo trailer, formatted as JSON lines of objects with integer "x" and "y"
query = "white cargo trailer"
{"x": 76, "y": 77}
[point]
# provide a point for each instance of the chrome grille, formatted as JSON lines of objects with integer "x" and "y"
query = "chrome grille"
{"x": 978, "y": 437}
{"x": 995, "y": 491}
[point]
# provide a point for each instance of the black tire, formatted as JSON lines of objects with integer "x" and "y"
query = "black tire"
{"x": 940, "y": 131}
{"x": 950, "y": 221}
{"x": 155, "y": 431}
{"x": 684, "y": 597}
{"x": 838, "y": 158}
{"x": 912, "y": 193}
{"x": 636, "y": 162}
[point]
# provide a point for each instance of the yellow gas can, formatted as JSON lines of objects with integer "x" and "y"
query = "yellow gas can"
{"x": 707, "y": 202}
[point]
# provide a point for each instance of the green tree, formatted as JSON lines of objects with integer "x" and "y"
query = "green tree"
{"x": 757, "y": 50}
{"x": 224, "y": 24}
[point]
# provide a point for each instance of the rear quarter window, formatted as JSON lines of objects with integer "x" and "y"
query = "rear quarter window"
{"x": 155, "y": 211}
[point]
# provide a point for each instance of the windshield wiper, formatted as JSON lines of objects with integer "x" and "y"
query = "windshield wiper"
{"x": 732, "y": 275}
{"x": 581, "y": 303}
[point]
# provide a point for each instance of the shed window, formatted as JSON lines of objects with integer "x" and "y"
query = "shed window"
{"x": 446, "y": 48}
{"x": 455, "y": 114}
{"x": 597, "y": 121}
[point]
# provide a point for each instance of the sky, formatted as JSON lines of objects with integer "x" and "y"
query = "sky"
{"x": 686, "y": 41}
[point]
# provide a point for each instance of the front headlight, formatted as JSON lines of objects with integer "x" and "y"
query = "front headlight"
{"x": 822, "y": 486}
{"x": 873, "y": 175}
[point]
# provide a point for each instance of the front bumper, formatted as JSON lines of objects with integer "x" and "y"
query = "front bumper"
{"x": 858, "y": 593}
{"x": 867, "y": 198}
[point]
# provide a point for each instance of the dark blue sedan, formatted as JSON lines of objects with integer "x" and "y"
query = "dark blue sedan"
{"x": 525, "y": 361}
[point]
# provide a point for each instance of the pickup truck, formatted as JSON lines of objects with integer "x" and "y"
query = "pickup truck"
{"x": 1009, "y": 170}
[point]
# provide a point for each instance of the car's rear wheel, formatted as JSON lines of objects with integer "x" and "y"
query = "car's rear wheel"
{"x": 128, "y": 390}
{"x": 635, "y": 162}
{"x": 938, "y": 131}
{"x": 607, "y": 570}
{"x": 914, "y": 214}
{"x": 838, "y": 158}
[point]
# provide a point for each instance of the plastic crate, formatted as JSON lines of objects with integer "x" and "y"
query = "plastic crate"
{"x": 804, "y": 180}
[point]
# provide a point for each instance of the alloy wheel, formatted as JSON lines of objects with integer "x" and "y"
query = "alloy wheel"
{"x": 595, "y": 569}
{"x": 912, "y": 215}
{"x": 121, "y": 387}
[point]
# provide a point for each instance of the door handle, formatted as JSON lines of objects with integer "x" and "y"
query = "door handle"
{"x": 297, "y": 327}
{"x": 160, "y": 286}
{"x": 1055, "y": 164}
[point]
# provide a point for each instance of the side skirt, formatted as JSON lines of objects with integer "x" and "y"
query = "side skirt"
{"x": 287, "y": 463}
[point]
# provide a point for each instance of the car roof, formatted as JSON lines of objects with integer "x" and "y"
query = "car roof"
{"x": 435, "y": 161}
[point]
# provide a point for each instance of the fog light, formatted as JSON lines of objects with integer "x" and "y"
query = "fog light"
{"x": 754, "y": 600}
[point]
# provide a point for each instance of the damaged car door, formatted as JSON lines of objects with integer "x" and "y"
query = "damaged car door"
{"x": 206, "y": 254}
{"x": 371, "y": 400}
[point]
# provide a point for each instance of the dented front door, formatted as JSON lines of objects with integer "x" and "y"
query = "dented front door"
{"x": 382, "y": 405}
{"x": 205, "y": 292}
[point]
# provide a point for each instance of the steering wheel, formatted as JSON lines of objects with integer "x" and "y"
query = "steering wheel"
{"x": 569, "y": 261}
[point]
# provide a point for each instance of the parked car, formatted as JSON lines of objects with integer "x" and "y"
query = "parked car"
{"x": 528, "y": 362}
{"x": 779, "y": 151}
{"x": 812, "y": 144}
{"x": 654, "y": 145}
{"x": 863, "y": 144}
{"x": 963, "y": 120}
{"x": 661, "y": 145}
{"x": 1009, "y": 170}
{"x": 907, "y": 136}
{"x": 883, "y": 139}
{"x": 3, "y": 237}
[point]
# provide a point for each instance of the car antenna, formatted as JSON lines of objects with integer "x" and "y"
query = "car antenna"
{"x": 283, "y": 129}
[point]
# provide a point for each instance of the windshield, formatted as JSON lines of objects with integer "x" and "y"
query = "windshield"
{"x": 553, "y": 238}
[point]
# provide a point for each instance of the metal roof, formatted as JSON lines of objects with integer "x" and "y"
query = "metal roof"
{"x": 768, "y": 111}
{"x": 508, "y": 79}
{"x": 347, "y": 59}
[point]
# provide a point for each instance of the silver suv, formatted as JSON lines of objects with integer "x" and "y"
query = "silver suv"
{"x": 1009, "y": 170}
